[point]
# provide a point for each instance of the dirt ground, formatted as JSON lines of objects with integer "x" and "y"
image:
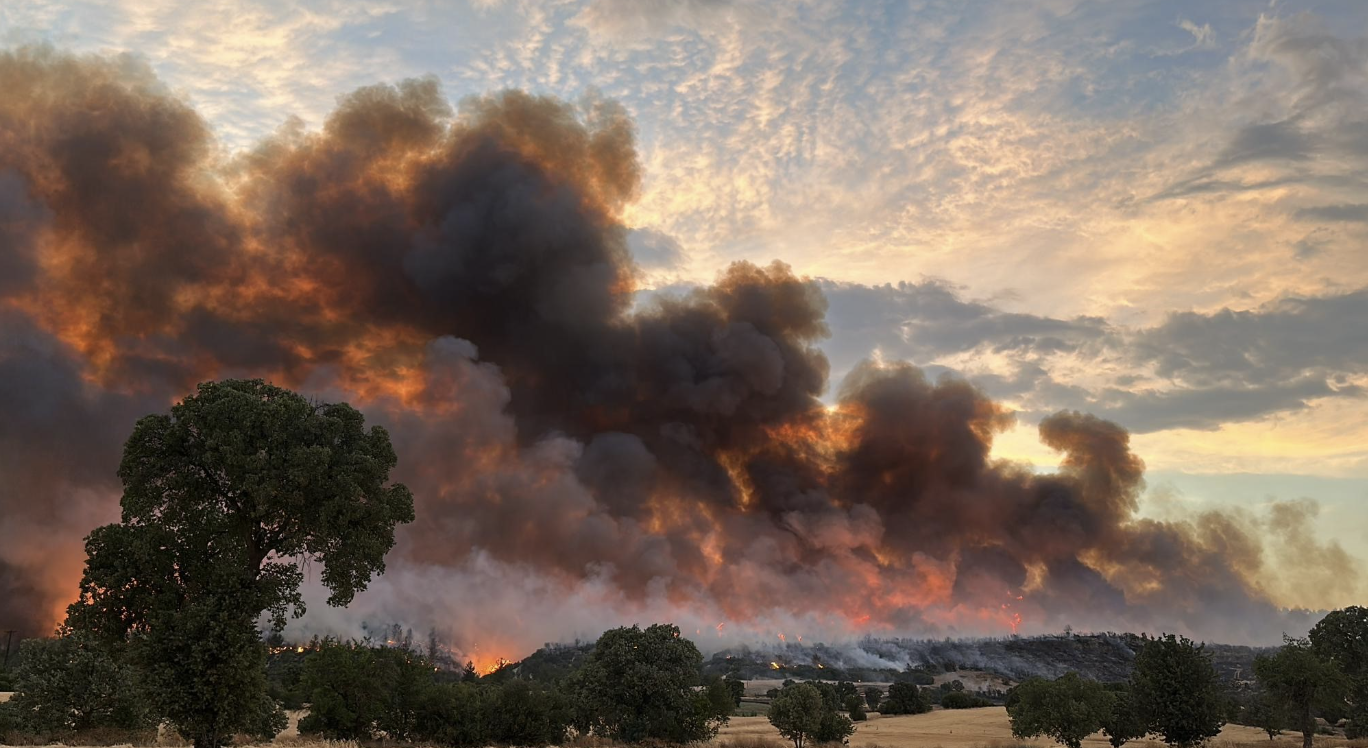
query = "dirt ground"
{"x": 5, "y": 696}
{"x": 987, "y": 727}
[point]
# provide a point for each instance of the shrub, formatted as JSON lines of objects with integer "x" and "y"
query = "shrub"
{"x": 963, "y": 700}
{"x": 905, "y": 698}
{"x": 70, "y": 684}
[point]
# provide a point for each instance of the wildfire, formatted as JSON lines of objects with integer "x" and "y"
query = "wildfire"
{"x": 774, "y": 666}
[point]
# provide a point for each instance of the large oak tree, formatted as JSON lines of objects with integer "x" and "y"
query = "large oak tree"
{"x": 225, "y": 498}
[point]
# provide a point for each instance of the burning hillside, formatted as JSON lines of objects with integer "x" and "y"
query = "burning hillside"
{"x": 462, "y": 276}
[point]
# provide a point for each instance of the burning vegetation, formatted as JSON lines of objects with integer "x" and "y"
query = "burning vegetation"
{"x": 462, "y": 276}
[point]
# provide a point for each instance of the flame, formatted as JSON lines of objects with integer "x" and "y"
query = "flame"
{"x": 774, "y": 666}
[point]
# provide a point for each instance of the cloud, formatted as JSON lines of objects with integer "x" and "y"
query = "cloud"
{"x": 1192, "y": 370}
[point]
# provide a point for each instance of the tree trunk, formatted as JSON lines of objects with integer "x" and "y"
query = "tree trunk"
{"x": 1308, "y": 728}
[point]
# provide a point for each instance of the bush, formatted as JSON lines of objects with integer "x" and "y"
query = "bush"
{"x": 873, "y": 697}
{"x": 905, "y": 698}
{"x": 70, "y": 684}
{"x": 358, "y": 693}
{"x": 963, "y": 700}
{"x": 855, "y": 706}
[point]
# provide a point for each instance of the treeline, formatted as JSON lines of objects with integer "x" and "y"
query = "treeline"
{"x": 1174, "y": 693}
{"x": 635, "y": 686}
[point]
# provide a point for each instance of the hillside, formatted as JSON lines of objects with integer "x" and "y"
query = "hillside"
{"x": 1104, "y": 657}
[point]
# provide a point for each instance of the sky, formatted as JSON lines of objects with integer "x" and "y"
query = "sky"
{"x": 1152, "y": 211}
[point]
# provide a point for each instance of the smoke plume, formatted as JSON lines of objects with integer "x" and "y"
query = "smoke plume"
{"x": 462, "y": 274}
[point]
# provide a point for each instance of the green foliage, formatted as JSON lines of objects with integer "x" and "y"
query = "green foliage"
{"x": 873, "y": 697}
{"x": 1066, "y": 709}
{"x": 359, "y": 693}
{"x": 639, "y": 685}
{"x": 905, "y": 698}
{"x": 71, "y": 684}
{"x": 720, "y": 701}
{"x": 963, "y": 700}
{"x": 1176, "y": 688}
{"x": 737, "y": 689}
{"x": 470, "y": 715}
{"x": 1123, "y": 722}
{"x": 1299, "y": 681}
{"x": 1261, "y": 713}
{"x": 223, "y": 498}
{"x": 855, "y": 707}
{"x": 1341, "y": 639}
{"x": 802, "y": 715}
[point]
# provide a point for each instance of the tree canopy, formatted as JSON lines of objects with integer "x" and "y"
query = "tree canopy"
{"x": 639, "y": 685}
{"x": 1177, "y": 690}
{"x": 224, "y": 498}
{"x": 1341, "y": 639}
{"x": 1299, "y": 681}
{"x": 1066, "y": 709}
{"x": 803, "y": 714}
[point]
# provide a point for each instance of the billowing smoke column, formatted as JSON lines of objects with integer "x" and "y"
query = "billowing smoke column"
{"x": 463, "y": 277}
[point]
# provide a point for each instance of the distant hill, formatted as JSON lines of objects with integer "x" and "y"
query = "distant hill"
{"x": 1104, "y": 657}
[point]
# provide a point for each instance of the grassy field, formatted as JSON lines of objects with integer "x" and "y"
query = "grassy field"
{"x": 987, "y": 727}
{"x": 960, "y": 728}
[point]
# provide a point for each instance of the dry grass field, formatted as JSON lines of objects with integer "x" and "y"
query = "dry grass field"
{"x": 967, "y": 728}
{"x": 987, "y": 728}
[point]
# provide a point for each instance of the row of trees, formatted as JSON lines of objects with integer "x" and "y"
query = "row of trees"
{"x": 1324, "y": 674}
{"x": 1174, "y": 693}
{"x": 636, "y": 686}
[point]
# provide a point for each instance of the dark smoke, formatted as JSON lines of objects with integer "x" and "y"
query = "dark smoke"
{"x": 463, "y": 275}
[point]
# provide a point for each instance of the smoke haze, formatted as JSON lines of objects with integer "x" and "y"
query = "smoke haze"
{"x": 462, "y": 275}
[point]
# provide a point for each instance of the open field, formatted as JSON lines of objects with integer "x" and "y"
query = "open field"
{"x": 971, "y": 728}
{"x": 960, "y": 728}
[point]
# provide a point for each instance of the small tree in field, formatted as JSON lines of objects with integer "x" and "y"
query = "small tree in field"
{"x": 639, "y": 685}
{"x": 905, "y": 698}
{"x": 1176, "y": 689}
{"x": 1067, "y": 709}
{"x": 223, "y": 498}
{"x": 1300, "y": 682}
{"x": 803, "y": 716}
{"x": 1124, "y": 721}
{"x": 873, "y": 697}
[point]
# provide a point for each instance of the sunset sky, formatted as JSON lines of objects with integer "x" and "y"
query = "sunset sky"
{"x": 1155, "y": 212}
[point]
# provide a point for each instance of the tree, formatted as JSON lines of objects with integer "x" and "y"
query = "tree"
{"x": 71, "y": 684}
{"x": 801, "y": 714}
{"x": 905, "y": 698}
{"x": 1177, "y": 691}
{"x": 737, "y": 689}
{"x": 639, "y": 685}
{"x": 873, "y": 697}
{"x": 1123, "y": 721}
{"x": 1261, "y": 713}
{"x": 1299, "y": 681}
{"x": 1066, "y": 709}
{"x": 855, "y": 707}
{"x": 1341, "y": 639}
{"x": 357, "y": 692}
{"x": 224, "y": 498}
